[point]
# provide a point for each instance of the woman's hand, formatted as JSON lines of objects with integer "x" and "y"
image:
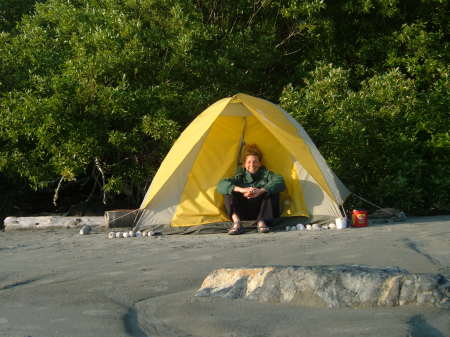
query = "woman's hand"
{"x": 245, "y": 191}
{"x": 256, "y": 192}
{"x": 249, "y": 192}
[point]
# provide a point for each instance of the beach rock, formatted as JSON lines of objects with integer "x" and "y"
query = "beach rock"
{"x": 386, "y": 215}
{"x": 154, "y": 233}
{"x": 329, "y": 286}
{"x": 85, "y": 230}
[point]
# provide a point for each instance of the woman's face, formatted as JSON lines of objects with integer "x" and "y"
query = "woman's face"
{"x": 252, "y": 164}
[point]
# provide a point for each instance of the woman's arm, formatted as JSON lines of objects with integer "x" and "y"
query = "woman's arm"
{"x": 275, "y": 183}
{"x": 229, "y": 185}
{"x": 226, "y": 186}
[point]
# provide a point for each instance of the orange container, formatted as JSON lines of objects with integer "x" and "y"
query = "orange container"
{"x": 360, "y": 218}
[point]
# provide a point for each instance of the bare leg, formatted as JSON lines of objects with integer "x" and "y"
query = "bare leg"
{"x": 236, "y": 228}
{"x": 262, "y": 227}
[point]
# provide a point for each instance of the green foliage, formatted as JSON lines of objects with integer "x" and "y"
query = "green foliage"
{"x": 381, "y": 139}
{"x": 92, "y": 89}
{"x": 11, "y": 12}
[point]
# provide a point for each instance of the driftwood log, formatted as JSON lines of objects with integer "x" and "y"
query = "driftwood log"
{"x": 52, "y": 222}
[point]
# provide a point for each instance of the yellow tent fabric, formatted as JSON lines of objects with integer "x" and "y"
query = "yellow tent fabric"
{"x": 183, "y": 191}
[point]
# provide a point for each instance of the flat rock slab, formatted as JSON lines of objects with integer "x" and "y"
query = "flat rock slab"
{"x": 329, "y": 286}
{"x": 51, "y": 222}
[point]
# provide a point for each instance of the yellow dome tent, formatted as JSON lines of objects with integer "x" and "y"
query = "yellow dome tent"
{"x": 183, "y": 191}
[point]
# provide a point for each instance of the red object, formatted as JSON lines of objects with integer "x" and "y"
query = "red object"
{"x": 360, "y": 218}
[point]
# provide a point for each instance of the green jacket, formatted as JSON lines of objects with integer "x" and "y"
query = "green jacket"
{"x": 272, "y": 182}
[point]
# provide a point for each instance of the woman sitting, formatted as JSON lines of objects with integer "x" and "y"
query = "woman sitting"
{"x": 253, "y": 193}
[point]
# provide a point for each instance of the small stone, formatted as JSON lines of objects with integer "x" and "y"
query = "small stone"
{"x": 111, "y": 235}
{"x": 85, "y": 230}
{"x": 308, "y": 227}
{"x": 316, "y": 227}
{"x": 153, "y": 233}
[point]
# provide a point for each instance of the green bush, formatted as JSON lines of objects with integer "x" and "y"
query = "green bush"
{"x": 93, "y": 93}
{"x": 384, "y": 140}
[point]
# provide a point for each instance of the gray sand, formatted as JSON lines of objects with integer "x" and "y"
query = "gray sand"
{"x": 58, "y": 283}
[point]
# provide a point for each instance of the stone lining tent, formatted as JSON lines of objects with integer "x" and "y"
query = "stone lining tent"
{"x": 183, "y": 191}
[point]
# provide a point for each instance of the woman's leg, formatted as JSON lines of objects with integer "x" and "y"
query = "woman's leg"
{"x": 243, "y": 208}
{"x": 269, "y": 210}
{"x": 231, "y": 202}
{"x": 263, "y": 209}
{"x": 229, "y": 206}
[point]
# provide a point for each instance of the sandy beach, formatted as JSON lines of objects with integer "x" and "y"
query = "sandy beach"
{"x": 58, "y": 283}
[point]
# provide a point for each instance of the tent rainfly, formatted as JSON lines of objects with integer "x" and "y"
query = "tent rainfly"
{"x": 183, "y": 191}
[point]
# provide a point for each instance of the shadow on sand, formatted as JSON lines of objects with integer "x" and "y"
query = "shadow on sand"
{"x": 420, "y": 328}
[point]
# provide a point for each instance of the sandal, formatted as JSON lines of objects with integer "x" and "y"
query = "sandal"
{"x": 262, "y": 227}
{"x": 236, "y": 229}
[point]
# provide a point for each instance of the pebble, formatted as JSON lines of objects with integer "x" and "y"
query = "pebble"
{"x": 85, "y": 230}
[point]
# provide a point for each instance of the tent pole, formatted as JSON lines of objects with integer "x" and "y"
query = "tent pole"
{"x": 365, "y": 200}
{"x": 242, "y": 143}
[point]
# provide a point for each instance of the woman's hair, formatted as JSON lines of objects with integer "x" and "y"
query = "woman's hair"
{"x": 252, "y": 150}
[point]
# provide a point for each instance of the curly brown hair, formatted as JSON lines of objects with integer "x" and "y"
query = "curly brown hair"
{"x": 252, "y": 150}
